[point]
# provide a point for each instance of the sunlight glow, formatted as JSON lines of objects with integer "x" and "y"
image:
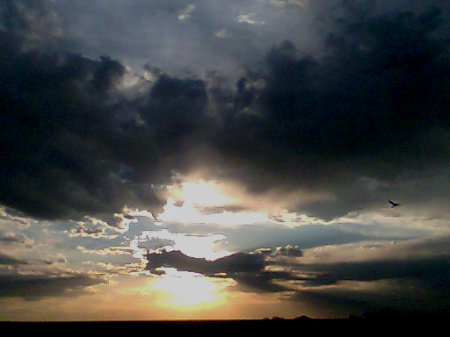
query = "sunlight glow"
{"x": 205, "y": 202}
{"x": 185, "y": 290}
{"x": 187, "y": 213}
{"x": 203, "y": 194}
{"x": 197, "y": 201}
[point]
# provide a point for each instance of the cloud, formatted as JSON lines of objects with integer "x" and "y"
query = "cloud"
{"x": 58, "y": 260}
{"x": 248, "y": 18}
{"x": 14, "y": 217}
{"x": 401, "y": 249}
{"x": 15, "y": 238}
{"x": 94, "y": 233}
{"x": 34, "y": 287}
{"x": 94, "y": 228}
{"x": 415, "y": 285}
{"x": 34, "y": 23}
{"x": 386, "y": 297}
{"x": 155, "y": 243}
{"x": 409, "y": 276}
{"x": 432, "y": 271}
{"x": 6, "y": 259}
{"x": 239, "y": 262}
{"x": 85, "y": 152}
{"x": 382, "y": 277}
{"x": 106, "y": 251}
{"x": 186, "y": 12}
{"x": 246, "y": 269}
{"x": 289, "y": 250}
{"x": 374, "y": 102}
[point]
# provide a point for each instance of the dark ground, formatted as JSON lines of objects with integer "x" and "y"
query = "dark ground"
{"x": 353, "y": 325}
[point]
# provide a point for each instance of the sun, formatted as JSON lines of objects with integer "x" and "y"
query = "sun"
{"x": 203, "y": 194}
{"x": 206, "y": 202}
{"x": 187, "y": 291}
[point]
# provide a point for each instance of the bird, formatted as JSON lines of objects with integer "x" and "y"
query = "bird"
{"x": 394, "y": 204}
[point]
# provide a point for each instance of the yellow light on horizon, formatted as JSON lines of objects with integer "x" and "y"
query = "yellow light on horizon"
{"x": 187, "y": 291}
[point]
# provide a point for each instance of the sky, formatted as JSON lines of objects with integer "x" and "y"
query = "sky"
{"x": 223, "y": 159}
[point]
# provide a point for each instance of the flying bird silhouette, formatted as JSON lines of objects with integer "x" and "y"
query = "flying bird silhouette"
{"x": 394, "y": 204}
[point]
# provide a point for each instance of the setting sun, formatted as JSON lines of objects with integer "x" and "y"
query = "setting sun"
{"x": 186, "y": 290}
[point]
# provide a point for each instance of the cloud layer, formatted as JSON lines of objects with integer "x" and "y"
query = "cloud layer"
{"x": 356, "y": 278}
{"x": 34, "y": 287}
{"x": 87, "y": 137}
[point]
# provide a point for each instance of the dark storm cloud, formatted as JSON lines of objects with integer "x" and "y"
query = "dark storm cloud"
{"x": 412, "y": 276}
{"x": 34, "y": 23}
{"x": 72, "y": 144}
{"x": 59, "y": 137}
{"x": 397, "y": 297}
{"x": 416, "y": 285}
{"x": 34, "y": 287}
{"x": 374, "y": 106}
{"x": 367, "y": 113}
{"x": 431, "y": 272}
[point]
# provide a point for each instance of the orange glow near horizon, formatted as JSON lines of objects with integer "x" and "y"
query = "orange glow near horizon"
{"x": 181, "y": 290}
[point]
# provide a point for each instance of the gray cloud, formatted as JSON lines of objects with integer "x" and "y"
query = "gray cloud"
{"x": 34, "y": 287}
{"x": 289, "y": 250}
{"x": 156, "y": 243}
{"x": 391, "y": 298}
{"x": 84, "y": 151}
{"x": 373, "y": 103}
{"x": 236, "y": 263}
{"x": 366, "y": 285}
{"x": 248, "y": 270}
{"x": 12, "y": 238}
{"x": 6, "y": 259}
{"x": 410, "y": 276}
{"x": 209, "y": 36}
{"x": 65, "y": 115}
{"x": 416, "y": 286}
{"x": 431, "y": 272}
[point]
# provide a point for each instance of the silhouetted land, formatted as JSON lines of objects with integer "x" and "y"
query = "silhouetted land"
{"x": 373, "y": 323}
